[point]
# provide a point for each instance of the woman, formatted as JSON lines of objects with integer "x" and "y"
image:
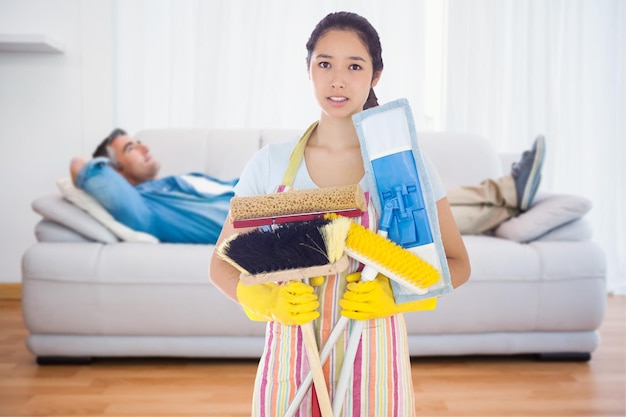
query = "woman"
{"x": 344, "y": 64}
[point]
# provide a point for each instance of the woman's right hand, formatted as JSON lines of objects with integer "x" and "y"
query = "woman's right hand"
{"x": 292, "y": 303}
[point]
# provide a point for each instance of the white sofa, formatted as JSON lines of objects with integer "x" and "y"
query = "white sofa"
{"x": 537, "y": 285}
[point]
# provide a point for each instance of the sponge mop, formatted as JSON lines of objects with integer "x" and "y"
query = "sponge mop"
{"x": 401, "y": 190}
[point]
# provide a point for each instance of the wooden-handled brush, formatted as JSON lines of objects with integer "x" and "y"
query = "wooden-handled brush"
{"x": 292, "y": 251}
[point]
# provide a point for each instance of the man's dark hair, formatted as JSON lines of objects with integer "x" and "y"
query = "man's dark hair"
{"x": 102, "y": 149}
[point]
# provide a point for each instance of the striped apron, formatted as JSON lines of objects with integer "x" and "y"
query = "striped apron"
{"x": 381, "y": 383}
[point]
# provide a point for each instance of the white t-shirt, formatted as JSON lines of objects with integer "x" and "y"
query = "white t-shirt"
{"x": 265, "y": 170}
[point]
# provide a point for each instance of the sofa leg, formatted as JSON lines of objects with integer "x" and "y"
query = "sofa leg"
{"x": 565, "y": 356}
{"x": 64, "y": 360}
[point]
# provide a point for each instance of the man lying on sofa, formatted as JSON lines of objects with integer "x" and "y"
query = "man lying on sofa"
{"x": 192, "y": 208}
{"x": 122, "y": 176}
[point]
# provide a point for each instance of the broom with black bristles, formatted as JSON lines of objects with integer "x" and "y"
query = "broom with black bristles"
{"x": 287, "y": 252}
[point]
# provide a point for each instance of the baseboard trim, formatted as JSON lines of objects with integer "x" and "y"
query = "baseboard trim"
{"x": 10, "y": 291}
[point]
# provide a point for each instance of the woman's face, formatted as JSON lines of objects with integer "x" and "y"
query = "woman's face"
{"x": 341, "y": 72}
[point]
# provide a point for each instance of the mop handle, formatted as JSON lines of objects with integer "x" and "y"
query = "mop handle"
{"x": 324, "y": 355}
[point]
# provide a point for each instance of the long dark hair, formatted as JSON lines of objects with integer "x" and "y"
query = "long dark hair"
{"x": 363, "y": 29}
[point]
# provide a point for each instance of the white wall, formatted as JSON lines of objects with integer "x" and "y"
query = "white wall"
{"x": 52, "y": 107}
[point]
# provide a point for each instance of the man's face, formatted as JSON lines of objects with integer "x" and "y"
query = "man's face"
{"x": 134, "y": 160}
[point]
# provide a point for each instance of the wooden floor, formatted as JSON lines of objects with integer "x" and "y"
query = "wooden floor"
{"x": 467, "y": 386}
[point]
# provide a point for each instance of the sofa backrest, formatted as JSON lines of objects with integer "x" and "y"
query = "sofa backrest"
{"x": 220, "y": 153}
{"x": 460, "y": 158}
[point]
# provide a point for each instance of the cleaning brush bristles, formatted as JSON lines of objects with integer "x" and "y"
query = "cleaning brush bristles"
{"x": 287, "y": 251}
{"x": 335, "y": 233}
{"x": 285, "y": 246}
{"x": 389, "y": 258}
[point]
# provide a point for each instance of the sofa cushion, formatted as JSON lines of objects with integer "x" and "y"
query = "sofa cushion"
{"x": 57, "y": 209}
{"x": 51, "y": 231}
{"x": 578, "y": 229}
{"x": 548, "y": 212}
{"x": 86, "y": 202}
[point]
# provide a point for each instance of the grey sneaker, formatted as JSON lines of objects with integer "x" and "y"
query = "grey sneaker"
{"x": 527, "y": 173}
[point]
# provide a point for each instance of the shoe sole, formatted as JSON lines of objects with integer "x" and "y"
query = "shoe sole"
{"x": 533, "y": 179}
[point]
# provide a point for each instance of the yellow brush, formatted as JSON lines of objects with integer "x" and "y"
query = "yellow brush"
{"x": 384, "y": 256}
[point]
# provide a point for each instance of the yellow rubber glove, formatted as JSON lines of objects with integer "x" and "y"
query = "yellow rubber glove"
{"x": 374, "y": 299}
{"x": 292, "y": 303}
{"x": 316, "y": 281}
